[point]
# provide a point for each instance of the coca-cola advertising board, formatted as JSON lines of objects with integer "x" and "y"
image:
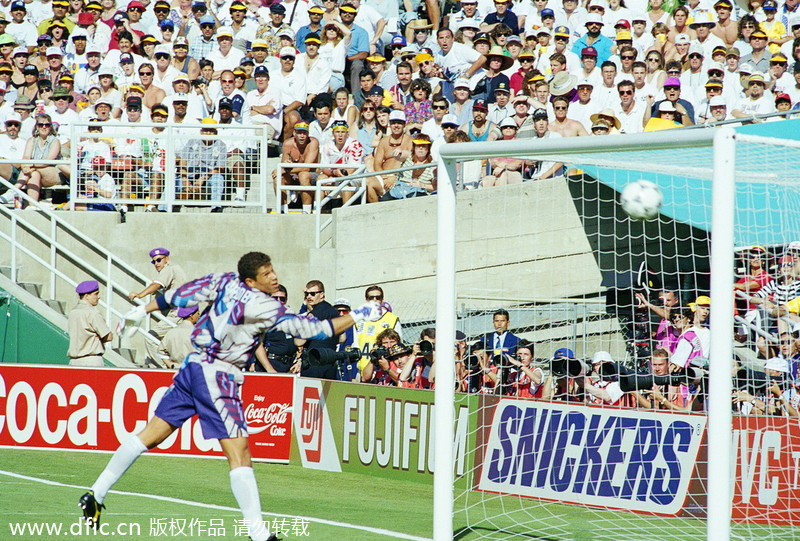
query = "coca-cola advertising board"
{"x": 94, "y": 409}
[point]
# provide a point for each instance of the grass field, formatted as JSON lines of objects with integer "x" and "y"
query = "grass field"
{"x": 44, "y": 487}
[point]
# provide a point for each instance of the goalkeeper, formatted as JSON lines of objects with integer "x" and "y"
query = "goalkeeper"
{"x": 207, "y": 384}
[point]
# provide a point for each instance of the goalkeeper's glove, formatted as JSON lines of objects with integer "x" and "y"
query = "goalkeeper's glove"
{"x": 369, "y": 311}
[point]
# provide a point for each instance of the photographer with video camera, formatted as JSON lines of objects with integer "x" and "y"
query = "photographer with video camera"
{"x": 380, "y": 370}
{"x": 776, "y": 396}
{"x": 528, "y": 379}
{"x": 421, "y": 372}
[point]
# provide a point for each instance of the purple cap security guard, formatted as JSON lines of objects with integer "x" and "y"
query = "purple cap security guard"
{"x": 186, "y": 311}
{"x": 87, "y": 286}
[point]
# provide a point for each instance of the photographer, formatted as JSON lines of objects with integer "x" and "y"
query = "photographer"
{"x": 605, "y": 391}
{"x": 666, "y": 397}
{"x": 565, "y": 382}
{"x": 528, "y": 379}
{"x": 380, "y": 370}
{"x": 780, "y": 398}
{"x": 472, "y": 370}
{"x": 420, "y": 373}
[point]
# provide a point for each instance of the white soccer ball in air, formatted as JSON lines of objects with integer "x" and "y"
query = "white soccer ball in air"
{"x": 641, "y": 199}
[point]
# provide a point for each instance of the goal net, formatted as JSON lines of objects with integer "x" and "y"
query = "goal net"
{"x": 569, "y": 307}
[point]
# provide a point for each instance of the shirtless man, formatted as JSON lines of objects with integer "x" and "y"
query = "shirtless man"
{"x": 301, "y": 148}
{"x": 390, "y": 153}
{"x": 152, "y": 94}
{"x": 563, "y": 125}
{"x": 727, "y": 29}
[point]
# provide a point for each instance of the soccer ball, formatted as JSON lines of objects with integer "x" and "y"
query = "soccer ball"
{"x": 641, "y": 199}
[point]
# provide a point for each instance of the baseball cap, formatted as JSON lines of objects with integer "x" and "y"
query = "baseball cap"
{"x": 561, "y": 31}
{"x": 672, "y": 81}
{"x": 508, "y": 122}
{"x": 594, "y": 18}
{"x": 341, "y": 125}
{"x": 225, "y": 103}
{"x": 588, "y": 51}
{"x": 54, "y": 51}
{"x": 547, "y": 12}
{"x": 125, "y": 57}
{"x": 341, "y": 301}
{"x": 287, "y": 32}
{"x": 784, "y": 97}
{"x": 287, "y": 51}
{"x": 624, "y": 23}
{"x": 398, "y": 116}
{"x": 398, "y": 41}
{"x": 98, "y": 161}
{"x": 134, "y": 102}
{"x": 180, "y": 41}
{"x": 180, "y": 96}
{"x": 449, "y": 120}
{"x": 503, "y": 87}
{"x": 682, "y": 38}
{"x": 376, "y": 91}
{"x": 480, "y": 104}
{"x": 277, "y": 8}
{"x": 564, "y": 353}
{"x": 261, "y": 71}
{"x": 461, "y": 83}
{"x": 702, "y": 300}
{"x": 301, "y": 126}
{"x": 717, "y": 101}
{"x": 539, "y": 114}
{"x": 18, "y": 5}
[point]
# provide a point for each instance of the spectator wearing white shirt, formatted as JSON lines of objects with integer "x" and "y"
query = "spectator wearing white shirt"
{"x": 264, "y": 103}
{"x": 164, "y": 73}
{"x": 224, "y": 56}
{"x": 24, "y": 31}
{"x": 292, "y": 84}
{"x": 13, "y": 147}
{"x": 317, "y": 72}
{"x": 757, "y": 103}
{"x": 628, "y": 110}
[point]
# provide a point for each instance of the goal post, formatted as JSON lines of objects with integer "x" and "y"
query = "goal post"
{"x": 708, "y": 154}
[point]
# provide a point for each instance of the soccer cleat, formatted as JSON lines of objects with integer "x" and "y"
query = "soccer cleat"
{"x": 91, "y": 509}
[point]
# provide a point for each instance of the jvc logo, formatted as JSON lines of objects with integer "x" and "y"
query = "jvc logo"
{"x": 311, "y": 418}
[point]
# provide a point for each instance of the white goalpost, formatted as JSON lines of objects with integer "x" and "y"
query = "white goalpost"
{"x": 708, "y": 177}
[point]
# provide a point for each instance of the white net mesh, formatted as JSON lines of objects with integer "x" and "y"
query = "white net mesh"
{"x": 566, "y": 263}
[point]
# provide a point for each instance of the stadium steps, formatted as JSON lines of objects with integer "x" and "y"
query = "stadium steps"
{"x": 53, "y": 312}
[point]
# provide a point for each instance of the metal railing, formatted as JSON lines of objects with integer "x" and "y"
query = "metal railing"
{"x": 167, "y": 146}
{"x": 110, "y": 274}
{"x": 343, "y": 184}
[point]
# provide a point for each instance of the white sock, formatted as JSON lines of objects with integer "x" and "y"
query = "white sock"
{"x": 245, "y": 490}
{"x": 285, "y": 209}
{"x": 123, "y": 458}
{"x": 306, "y": 209}
{"x": 240, "y": 192}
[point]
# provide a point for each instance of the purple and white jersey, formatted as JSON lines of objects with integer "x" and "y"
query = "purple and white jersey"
{"x": 229, "y": 328}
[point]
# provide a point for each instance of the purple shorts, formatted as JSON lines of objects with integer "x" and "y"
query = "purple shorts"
{"x": 211, "y": 391}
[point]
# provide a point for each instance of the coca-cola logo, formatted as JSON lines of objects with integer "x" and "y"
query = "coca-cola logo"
{"x": 261, "y": 418}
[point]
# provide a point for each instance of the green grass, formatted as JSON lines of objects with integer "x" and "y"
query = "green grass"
{"x": 287, "y": 490}
{"x": 340, "y": 505}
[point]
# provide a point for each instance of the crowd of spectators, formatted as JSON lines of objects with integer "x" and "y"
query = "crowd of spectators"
{"x": 373, "y": 85}
{"x": 672, "y": 375}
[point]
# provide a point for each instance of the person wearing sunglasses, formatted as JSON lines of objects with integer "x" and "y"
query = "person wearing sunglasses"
{"x": 628, "y": 110}
{"x": 314, "y": 304}
{"x": 277, "y": 352}
{"x": 168, "y": 276}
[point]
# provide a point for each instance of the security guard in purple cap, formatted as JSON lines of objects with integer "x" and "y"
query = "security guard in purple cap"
{"x": 88, "y": 331}
{"x": 177, "y": 343}
{"x": 168, "y": 277}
